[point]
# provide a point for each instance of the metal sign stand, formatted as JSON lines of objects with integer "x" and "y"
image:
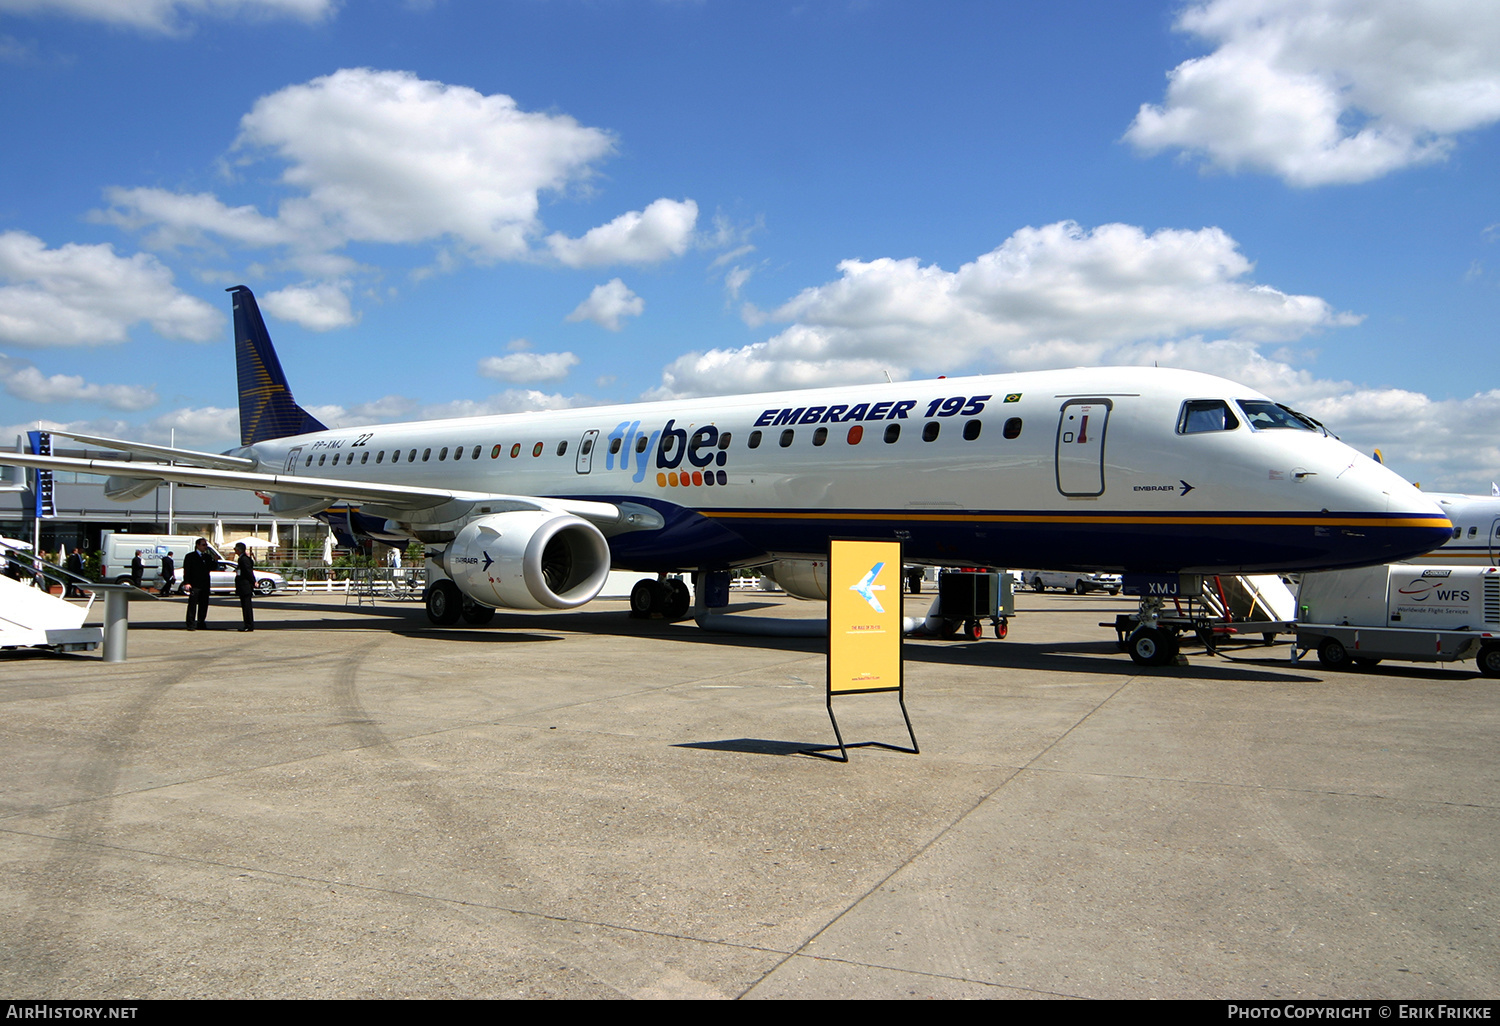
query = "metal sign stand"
{"x": 864, "y": 637}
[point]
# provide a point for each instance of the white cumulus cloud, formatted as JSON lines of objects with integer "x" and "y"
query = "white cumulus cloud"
{"x": 169, "y": 15}
{"x": 607, "y": 304}
{"x": 82, "y": 295}
{"x": 1328, "y": 91}
{"x": 663, "y": 230}
{"x": 523, "y": 367}
{"x": 1058, "y": 295}
{"x": 319, "y": 306}
{"x": 25, "y": 381}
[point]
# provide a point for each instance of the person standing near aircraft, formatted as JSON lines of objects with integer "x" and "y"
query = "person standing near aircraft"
{"x": 197, "y": 571}
{"x": 75, "y": 566}
{"x": 168, "y": 573}
{"x": 137, "y": 569}
{"x": 244, "y": 585}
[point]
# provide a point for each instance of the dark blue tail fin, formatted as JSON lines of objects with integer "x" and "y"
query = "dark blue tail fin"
{"x": 267, "y": 409}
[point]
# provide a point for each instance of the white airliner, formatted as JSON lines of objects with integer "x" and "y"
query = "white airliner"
{"x": 1475, "y": 539}
{"x": 1125, "y": 469}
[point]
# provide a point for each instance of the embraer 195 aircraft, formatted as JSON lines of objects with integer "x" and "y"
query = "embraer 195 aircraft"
{"x": 1117, "y": 469}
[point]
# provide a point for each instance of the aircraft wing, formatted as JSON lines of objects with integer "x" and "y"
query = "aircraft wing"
{"x": 192, "y": 457}
{"x": 603, "y": 514}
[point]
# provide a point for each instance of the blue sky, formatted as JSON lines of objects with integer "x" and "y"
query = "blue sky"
{"x": 451, "y": 208}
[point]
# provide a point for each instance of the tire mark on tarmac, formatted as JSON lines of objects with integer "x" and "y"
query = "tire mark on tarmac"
{"x": 39, "y": 953}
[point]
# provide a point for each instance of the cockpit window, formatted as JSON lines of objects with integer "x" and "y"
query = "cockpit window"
{"x": 1205, "y": 415}
{"x": 1263, "y": 415}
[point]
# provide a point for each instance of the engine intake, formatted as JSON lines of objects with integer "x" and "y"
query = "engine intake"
{"x": 528, "y": 559}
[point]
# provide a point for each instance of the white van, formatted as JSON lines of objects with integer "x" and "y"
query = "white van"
{"x": 117, "y": 550}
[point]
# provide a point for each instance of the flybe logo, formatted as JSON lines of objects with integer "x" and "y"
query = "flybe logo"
{"x": 674, "y": 450}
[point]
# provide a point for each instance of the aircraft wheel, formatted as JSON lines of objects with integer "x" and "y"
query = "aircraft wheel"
{"x": 1365, "y": 662}
{"x": 1152, "y": 646}
{"x": 1332, "y": 654}
{"x": 645, "y": 598}
{"x": 677, "y": 600}
{"x": 1037, "y": 585}
{"x": 1489, "y": 660}
{"x": 445, "y": 603}
{"x": 265, "y": 587}
{"x": 477, "y": 615}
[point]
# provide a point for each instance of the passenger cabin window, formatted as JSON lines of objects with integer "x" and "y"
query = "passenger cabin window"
{"x": 971, "y": 430}
{"x": 365, "y": 458}
{"x": 427, "y": 454}
{"x": 754, "y": 442}
{"x": 640, "y": 444}
{"x": 443, "y": 455}
{"x": 614, "y": 446}
{"x": 562, "y": 447}
{"x": 1199, "y": 415}
{"x": 475, "y": 454}
{"x": 411, "y": 457}
{"x": 892, "y": 432}
{"x": 930, "y": 431}
{"x": 380, "y": 456}
{"x": 309, "y": 462}
{"x": 1012, "y": 428}
{"x": 856, "y": 433}
{"x": 1262, "y": 415}
{"x": 724, "y": 440}
{"x": 786, "y": 437}
{"x": 458, "y": 452}
{"x": 820, "y": 436}
{"x": 495, "y": 452}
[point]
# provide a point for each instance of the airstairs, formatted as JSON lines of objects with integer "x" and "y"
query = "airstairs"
{"x": 33, "y": 618}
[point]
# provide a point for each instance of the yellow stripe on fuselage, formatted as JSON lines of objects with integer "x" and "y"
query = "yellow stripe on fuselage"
{"x": 1090, "y": 518}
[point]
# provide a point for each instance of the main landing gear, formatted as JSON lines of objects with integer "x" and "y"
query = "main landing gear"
{"x": 667, "y": 599}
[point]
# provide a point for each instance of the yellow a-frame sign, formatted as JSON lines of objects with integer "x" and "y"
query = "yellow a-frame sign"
{"x": 864, "y": 627}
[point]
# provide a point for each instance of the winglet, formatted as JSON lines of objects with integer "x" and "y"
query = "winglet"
{"x": 267, "y": 409}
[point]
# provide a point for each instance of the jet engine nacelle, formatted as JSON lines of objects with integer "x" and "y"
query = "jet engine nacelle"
{"x": 128, "y": 489}
{"x": 802, "y": 578}
{"x": 528, "y": 559}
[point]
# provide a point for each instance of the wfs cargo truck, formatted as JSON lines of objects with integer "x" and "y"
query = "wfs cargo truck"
{"x": 1399, "y": 611}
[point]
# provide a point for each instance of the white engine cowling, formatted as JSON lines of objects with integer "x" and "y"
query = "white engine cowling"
{"x": 127, "y": 489}
{"x": 529, "y": 559}
{"x": 802, "y": 578}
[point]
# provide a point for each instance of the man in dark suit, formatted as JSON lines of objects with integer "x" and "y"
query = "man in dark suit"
{"x": 75, "y": 566}
{"x": 197, "y": 570}
{"x": 244, "y": 584}
{"x": 137, "y": 569}
{"x": 168, "y": 573}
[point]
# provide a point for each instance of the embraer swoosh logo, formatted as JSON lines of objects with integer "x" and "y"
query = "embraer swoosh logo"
{"x": 487, "y": 562}
{"x": 867, "y": 588}
{"x": 1185, "y": 488}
